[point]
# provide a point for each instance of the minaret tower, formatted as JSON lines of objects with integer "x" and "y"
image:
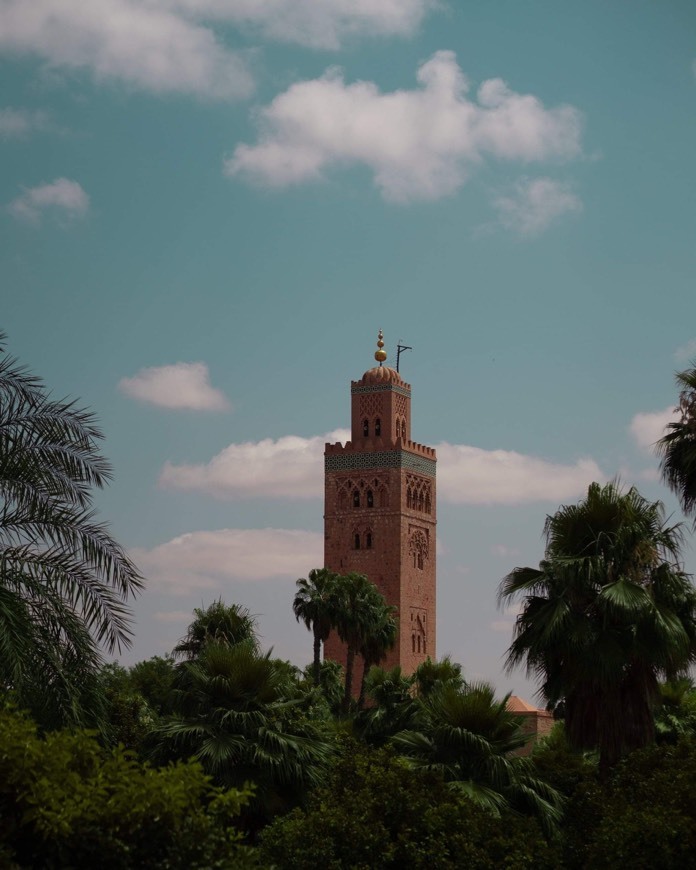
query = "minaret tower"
{"x": 379, "y": 511}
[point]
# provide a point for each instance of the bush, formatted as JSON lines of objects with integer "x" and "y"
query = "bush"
{"x": 375, "y": 813}
{"x": 66, "y": 802}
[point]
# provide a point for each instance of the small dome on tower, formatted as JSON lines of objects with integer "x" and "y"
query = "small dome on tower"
{"x": 382, "y": 375}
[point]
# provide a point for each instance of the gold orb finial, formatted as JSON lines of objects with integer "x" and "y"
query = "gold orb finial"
{"x": 380, "y": 353}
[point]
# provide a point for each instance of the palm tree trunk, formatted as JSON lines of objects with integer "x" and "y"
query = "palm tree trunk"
{"x": 361, "y": 698}
{"x": 317, "y": 659}
{"x": 350, "y": 661}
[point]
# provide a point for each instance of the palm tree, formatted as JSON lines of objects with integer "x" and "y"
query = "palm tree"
{"x": 237, "y": 714}
{"x": 314, "y": 604}
{"x": 379, "y": 639}
{"x": 607, "y": 613}
{"x": 677, "y": 448}
{"x": 358, "y": 601}
{"x": 430, "y": 676}
{"x": 466, "y": 736}
{"x": 64, "y": 580}
{"x": 219, "y": 623}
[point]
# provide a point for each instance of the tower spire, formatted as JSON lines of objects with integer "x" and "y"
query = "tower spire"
{"x": 380, "y": 353}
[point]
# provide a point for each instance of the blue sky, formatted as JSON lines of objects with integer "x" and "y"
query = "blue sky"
{"x": 209, "y": 208}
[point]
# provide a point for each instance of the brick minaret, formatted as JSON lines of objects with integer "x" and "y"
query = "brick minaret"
{"x": 379, "y": 512}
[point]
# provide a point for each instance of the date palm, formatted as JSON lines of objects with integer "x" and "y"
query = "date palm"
{"x": 677, "y": 448}
{"x": 219, "y": 623}
{"x": 64, "y": 581}
{"x": 379, "y": 638}
{"x": 607, "y": 613}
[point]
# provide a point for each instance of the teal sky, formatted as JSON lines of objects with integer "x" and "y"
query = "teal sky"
{"x": 209, "y": 208}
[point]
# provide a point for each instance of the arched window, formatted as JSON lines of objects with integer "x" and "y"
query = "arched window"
{"x": 366, "y": 428}
{"x": 419, "y": 649}
{"x": 368, "y": 541}
{"x": 403, "y": 429}
{"x": 413, "y": 642}
{"x": 420, "y": 560}
{"x": 421, "y": 501}
{"x": 427, "y": 504}
{"x": 356, "y": 540}
{"x": 356, "y": 498}
{"x": 398, "y": 427}
{"x": 370, "y": 499}
{"x": 408, "y": 497}
{"x": 378, "y": 426}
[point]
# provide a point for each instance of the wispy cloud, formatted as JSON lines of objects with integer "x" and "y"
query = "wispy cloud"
{"x": 182, "y": 386}
{"x": 647, "y": 427}
{"x": 534, "y": 204}
{"x": 292, "y": 467}
{"x": 419, "y": 144}
{"x": 686, "y": 352}
{"x": 18, "y": 123}
{"x": 212, "y": 560}
{"x": 326, "y": 24}
{"x": 63, "y": 197}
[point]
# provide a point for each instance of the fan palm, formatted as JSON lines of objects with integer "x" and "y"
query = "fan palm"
{"x": 607, "y": 613}
{"x": 315, "y": 605}
{"x": 64, "y": 580}
{"x": 223, "y": 624}
{"x": 358, "y": 602}
{"x": 677, "y": 448}
{"x": 466, "y": 736}
{"x": 377, "y": 641}
{"x": 236, "y": 715}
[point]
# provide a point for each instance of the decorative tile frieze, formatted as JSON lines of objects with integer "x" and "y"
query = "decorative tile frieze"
{"x": 380, "y": 459}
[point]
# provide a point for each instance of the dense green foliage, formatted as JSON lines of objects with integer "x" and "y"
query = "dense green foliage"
{"x": 66, "y": 802}
{"x": 376, "y": 813}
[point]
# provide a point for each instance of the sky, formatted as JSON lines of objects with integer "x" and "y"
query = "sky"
{"x": 208, "y": 208}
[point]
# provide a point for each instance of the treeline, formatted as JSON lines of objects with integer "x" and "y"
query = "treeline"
{"x": 220, "y": 755}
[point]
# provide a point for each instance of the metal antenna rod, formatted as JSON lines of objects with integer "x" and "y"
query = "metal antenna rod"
{"x": 400, "y": 348}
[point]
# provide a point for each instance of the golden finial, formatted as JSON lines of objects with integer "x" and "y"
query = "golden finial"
{"x": 380, "y": 354}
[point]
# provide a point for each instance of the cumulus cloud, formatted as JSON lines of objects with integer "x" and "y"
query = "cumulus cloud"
{"x": 419, "y": 144}
{"x": 324, "y": 24}
{"x": 180, "y": 386}
{"x": 292, "y": 467}
{"x": 649, "y": 426}
{"x": 17, "y": 123}
{"x": 213, "y": 559}
{"x": 144, "y": 44}
{"x": 534, "y": 204}
{"x": 289, "y": 467}
{"x": 62, "y": 196}
{"x": 471, "y": 475}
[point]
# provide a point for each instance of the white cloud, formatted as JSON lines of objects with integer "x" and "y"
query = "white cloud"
{"x": 322, "y": 24}
{"x": 419, "y": 144}
{"x": 17, "y": 123}
{"x": 143, "y": 44}
{"x": 534, "y": 204}
{"x": 648, "y": 427}
{"x": 214, "y": 559}
{"x": 686, "y": 352}
{"x": 62, "y": 195}
{"x": 292, "y": 467}
{"x": 176, "y": 616}
{"x": 470, "y": 475}
{"x": 180, "y": 386}
{"x": 503, "y": 551}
